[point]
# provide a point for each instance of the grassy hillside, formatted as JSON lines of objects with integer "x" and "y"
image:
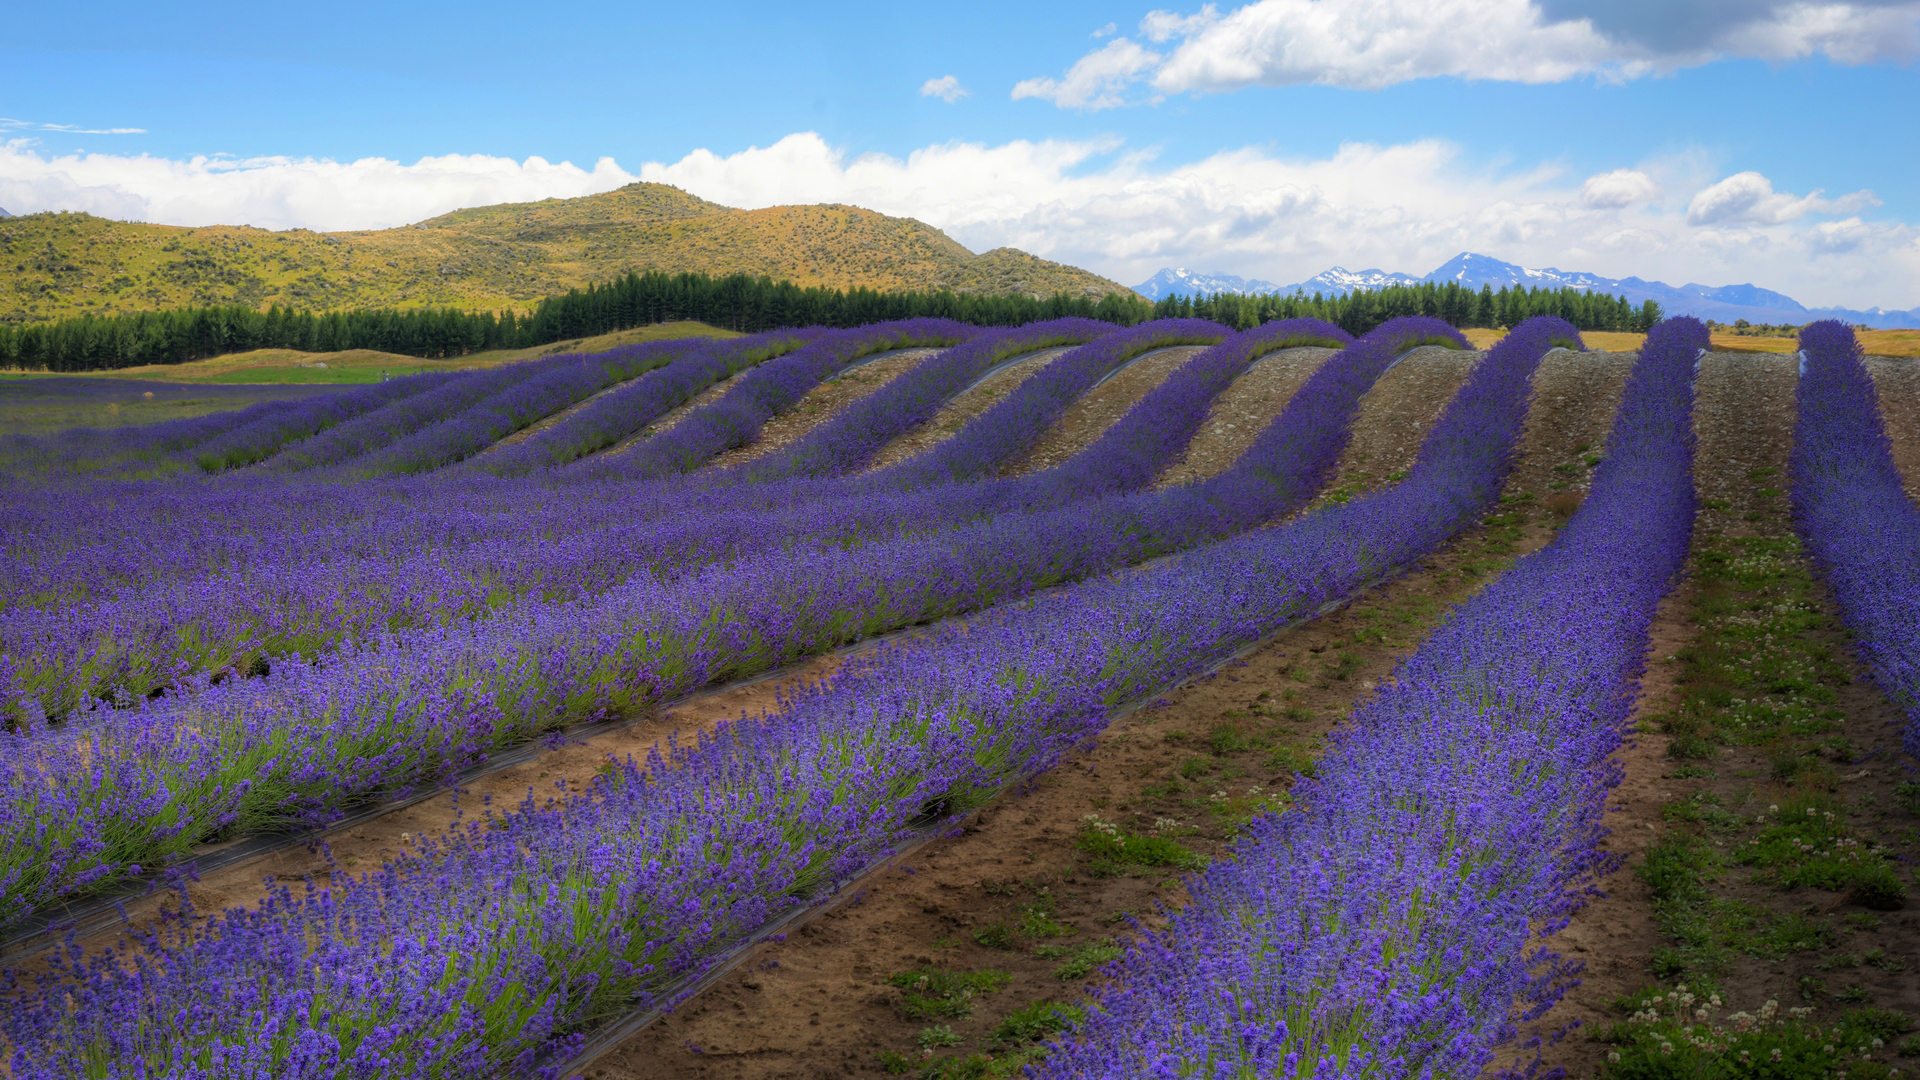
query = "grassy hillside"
{"x": 492, "y": 257}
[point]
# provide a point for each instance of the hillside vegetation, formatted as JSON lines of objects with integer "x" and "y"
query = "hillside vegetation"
{"x": 493, "y": 257}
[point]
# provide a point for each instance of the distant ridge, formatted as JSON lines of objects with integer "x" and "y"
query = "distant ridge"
{"x": 3, "y": 212}
{"x": 1724, "y": 303}
{"x": 493, "y": 257}
{"x": 1179, "y": 281}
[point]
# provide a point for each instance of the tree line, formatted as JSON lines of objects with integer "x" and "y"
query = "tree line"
{"x": 737, "y": 302}
{"x": 1360, "y": 311}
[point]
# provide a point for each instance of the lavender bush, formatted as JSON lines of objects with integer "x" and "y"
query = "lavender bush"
{"x": 308, "y": 739}
{"x": 1854, "y": 515}
{"x": 488, "y": 951}
{"x": 628, "y": 410}
{"x": 263, "y": 437}
{"x": 769, "y": 390}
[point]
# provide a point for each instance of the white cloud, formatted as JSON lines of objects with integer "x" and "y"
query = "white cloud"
{"x": 1161, "y": 26}
{"x": 1621, "y": 187}
{"x": 1376, "y": 43}
{"x": 1410, "y": 207}
{"x": 947, "y": 88}
{"x": 1106, "y": 31}
{"x": 1110, "y": 207}
{"x": 282, "y": 193}
{"x": 1097, "y": 80}
{"x": 1748, "y": 198}
{"x": 8, "y": 124}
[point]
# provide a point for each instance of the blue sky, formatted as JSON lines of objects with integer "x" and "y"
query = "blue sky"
{"x": 1732, "y": 140}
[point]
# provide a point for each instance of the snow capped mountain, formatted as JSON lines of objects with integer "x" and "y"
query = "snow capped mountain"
{"x": 1723, "y": 303}
{"x": 1179, "y": 281}
{"x": 1341, "y": 281}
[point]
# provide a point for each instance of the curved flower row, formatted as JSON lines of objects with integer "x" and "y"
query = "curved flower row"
{"x": 138, "y": 639}
{"x": 460, "y": 435}
{"x": 629, "y": 409}
{"x": 491, "y": 950}
{"x": 847, "y": 440}
{"x": 132, "y": 786}
{"x": 1859, "y": 525}
{"x": 765, "y": 392}
{"x": 1383, "y": 927}
{"x": 261, "y": 438}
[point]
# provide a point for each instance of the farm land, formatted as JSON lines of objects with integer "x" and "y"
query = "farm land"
{"x": 924, "y": 700}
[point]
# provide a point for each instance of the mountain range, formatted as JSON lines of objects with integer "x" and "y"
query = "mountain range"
{"x": 511, "y": 255}
{"x": 1724, "y": 303}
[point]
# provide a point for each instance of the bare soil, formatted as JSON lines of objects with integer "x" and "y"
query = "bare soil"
{"x": 819, "y": 1003}
{"x": 966, "y": 405}
{"x": 820, "y": 403}
{"x": 1242, "y": 412}
{"x": 1098, "y": 409}
{"x": 1396, "y": 414}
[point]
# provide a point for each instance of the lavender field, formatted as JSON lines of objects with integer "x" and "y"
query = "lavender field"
{"x": 1479, "y": 712}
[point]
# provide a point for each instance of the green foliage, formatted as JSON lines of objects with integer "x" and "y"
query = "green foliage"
{"x": 1040, "y": 1020}
{"x": 1081, "y": 960}
{"x": 1361, "y": 311}
{"x": 934, "y": 993}
{"x": 1115, "y": 850}
{"x": 1808, "y": 843}
{"x": 1683, "y": 1035}
{"x": 739, "y": 302}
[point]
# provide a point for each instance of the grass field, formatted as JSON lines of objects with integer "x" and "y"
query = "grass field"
{"x": 287, "y": 366}
{"x": 43, "y": 406}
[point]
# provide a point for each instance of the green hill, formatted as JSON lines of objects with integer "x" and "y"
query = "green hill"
{"x": 492, "y": 257}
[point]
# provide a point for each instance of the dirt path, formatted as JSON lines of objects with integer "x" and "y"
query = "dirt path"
{"x": 1242, "y": 412}
{"x": 1743, "y": 419}
{"x": 1098, "y": 409}
{"x": 1015, "y": 894}
{"x": 965, "y": 406}
{"x": 1897, "y": 381}
{"x": 821, "y": 403}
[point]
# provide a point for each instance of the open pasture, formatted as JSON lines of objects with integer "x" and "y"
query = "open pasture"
{"x": 1091, "y": 699}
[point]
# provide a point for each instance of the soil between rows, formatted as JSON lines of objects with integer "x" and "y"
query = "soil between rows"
{"x": 1242, "y": 412}
{"x": 820, "y": 403}
{"x": 1099, "y": 408}
{"x": 964, "y": 407}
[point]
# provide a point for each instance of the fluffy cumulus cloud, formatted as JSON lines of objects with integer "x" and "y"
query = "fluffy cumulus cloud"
{"x": 1621, "y": 187}
{"x": 947, "y": 88}
{"x": 281, "y": 193}
{"x": 1377, "y": 43}
{"x": 1748, "y": 198}
{"x": 1110, "y": 207}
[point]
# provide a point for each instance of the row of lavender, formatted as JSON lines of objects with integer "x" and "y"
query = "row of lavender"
{"x": 1860, "y": 527}
{"x": 63, "y": 548}
{"x": 118, "y": 787}
{"x": 495, "y": 948}
{"x": 66, "y": 550}
{"x": 1385, "y": 927}
{"x": 195, "y": 620}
